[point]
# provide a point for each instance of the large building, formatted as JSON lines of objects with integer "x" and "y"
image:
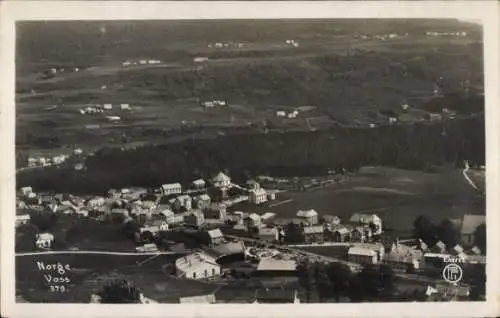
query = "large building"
{"x": 197, "y": 266}
{"x": 194, "y": 218}
{"x": 171, "y": 188}
{"x": 257, "y": 196}
{"x": 362, "y": 255}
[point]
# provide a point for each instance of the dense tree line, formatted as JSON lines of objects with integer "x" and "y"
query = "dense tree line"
{"x": 419, "y": 147}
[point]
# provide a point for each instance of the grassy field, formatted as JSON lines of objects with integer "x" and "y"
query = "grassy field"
{"x": 341, "y": 75}
{"x": 397, "y": 196}
{"x": 88, "y": 274}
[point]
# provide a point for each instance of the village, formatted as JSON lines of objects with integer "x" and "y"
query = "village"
{"x": 215, "y": 242}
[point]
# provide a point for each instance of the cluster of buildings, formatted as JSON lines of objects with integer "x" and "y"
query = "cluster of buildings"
{"x": 292, "y": 43}
{"x": 225, "y": 45}
{"x": 434, "y": 33}
{"x": 33, "y": 162}
{"x": 158, "y": 210}
{"x": 213, "y": 103}
{"x": 383, "y": 37}
{"x": 140, "y": 62}
{"x": 98, "y": 108}
{"x": 282, "y": 113}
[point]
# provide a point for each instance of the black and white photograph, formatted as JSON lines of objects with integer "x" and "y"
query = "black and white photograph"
{"x": 250, "y": 161}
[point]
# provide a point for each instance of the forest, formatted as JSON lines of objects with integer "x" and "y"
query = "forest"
{"x": 426, "y": 147}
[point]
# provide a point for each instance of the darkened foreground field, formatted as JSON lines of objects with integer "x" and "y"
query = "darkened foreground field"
{"x": 89, "y": 273}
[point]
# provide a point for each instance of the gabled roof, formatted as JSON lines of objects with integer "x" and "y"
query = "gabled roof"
{"x": 342, "y": 230}
{"x": 307, "y": 213}
{"x": 471, "y": 222}
{"x": 215, "y": 233}
{"x": 254, "y": 217}
{"x": 221, "y": 177}
{"x": 314, "y": 229}
{"x": 171, "y": 185}
{"x": 361, "y": 251}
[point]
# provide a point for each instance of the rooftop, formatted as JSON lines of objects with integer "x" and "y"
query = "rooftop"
{"x": 307, "y": 213}
{"x": 276, "y": 265}
{"x": 471, "y": 222}
{"x": 361, "y": 251}
{"x": 215, "y": 233}
{"x": 171, "y": 185}
{"x": 221, "y": 177}
{"x": 314, "y": 229}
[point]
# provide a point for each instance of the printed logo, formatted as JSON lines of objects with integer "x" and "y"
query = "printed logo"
{"x": 452, "y": 273}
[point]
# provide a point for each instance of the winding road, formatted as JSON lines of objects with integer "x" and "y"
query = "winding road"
{"x": 466, "y": 176}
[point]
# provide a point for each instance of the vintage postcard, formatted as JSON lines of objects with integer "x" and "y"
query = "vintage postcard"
{"x": 186, "y": 158}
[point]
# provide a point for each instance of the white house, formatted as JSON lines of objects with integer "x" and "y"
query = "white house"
{"x": 311, "y": 216}
{"x": 253, "y": 220}
{"x": 367, "y": 219}
{"x": 197, "y": 266}
{"x": 183, "y": 201}
{"x": 107, "y": 106}
{"x": 44, "y": 240}
{"x": 280, "y": 113}
{"x": 171, "y": 188}
{"x": 221, "y": 180}
{"x": 199, "y": 183}
{"x": 124, "y": 106}
{"x": 22, "y": 219}
{"x": 257, "y": 196}
{"x": 26, "y": 190}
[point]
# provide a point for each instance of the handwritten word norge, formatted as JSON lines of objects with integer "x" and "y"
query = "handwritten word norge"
{"x": 56, "y": 267}
{"x": 55, "y": 274}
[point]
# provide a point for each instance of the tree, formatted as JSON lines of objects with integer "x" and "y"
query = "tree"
{"x": 147, "y": 237}
{"x": 378, "y": 282}
{"x": 26, "y": 237}
{"x": 119, "y": 292}
{"x": 340, "y": 276}
{"x": 323, "y": 283}
{"x": 424, "y": 229}
{"x": 305, "y": 272}
{"x": 130, "y": 228}
{"x": 480, "y": 237}
{"x": 448, "y": 233}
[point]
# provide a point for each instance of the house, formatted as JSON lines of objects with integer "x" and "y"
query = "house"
{"x": 276, "y": 267}
{"x": 276, "y": 296}
{"x": 310, "y": 216}
{"x": 215, "y": 237}
{"x": 457, "y": 249}
{"x": 26, "y": 191}
{"x": 358, "y": 234}
{"x": 257, "y": 196}
{"x": 221, "y": 181}
{"x": 331, "y": 220}
{"x": 167, "y": 215}
{"x": 253, "y": 220}
{"x": 268, "y": 234}
{"x": 470, "y": 223}
{"x": 271, "y": 195}
{"x": 341, "y": 234}
{"x": 107, "y": 106}
{"x": 171, "y": 188}
{"x": 154, "y": 226}
{"x": 267, "y": 218}
{"x": 197, "y": 266}
{"x": 362, "y": 255}
{"x": 22, "y": 219}
{"x": 202, "y": 201}
{"x": 124, "y": 106}
{"x": 440, "y": 247}
{"x": 183, "y": 201}
{"x": 314, "y": 234}
{"x": 44, "y": 240}
{"x": 403, "y": 258}
{"x": 253, "y": 185}
{"x": 367, "y": 219}
{"x": 199, "y": 184}
{"x": 194, "y": 218}
{"x": 280, "y": 113}
{"x": 147, "y": 248}
{"x": 216, "y": 211}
